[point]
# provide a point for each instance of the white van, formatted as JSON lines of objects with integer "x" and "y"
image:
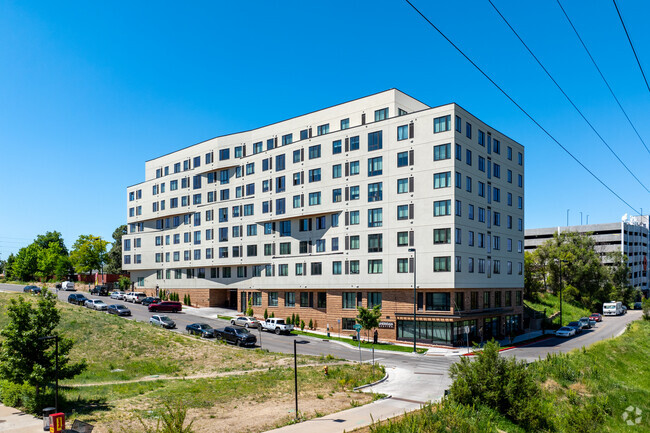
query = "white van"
{"x": 68, "y": 285}
{"x": 612, "y": 308}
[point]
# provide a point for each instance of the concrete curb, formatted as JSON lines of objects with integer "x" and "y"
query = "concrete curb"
{"x": 371, "y": 384}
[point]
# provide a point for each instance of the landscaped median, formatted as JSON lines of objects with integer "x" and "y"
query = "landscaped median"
{"x": 134, "y": 369}
{"x": 364, "y": 344}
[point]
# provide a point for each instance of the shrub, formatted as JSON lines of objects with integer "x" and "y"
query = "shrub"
{"x": 272, "y": 314}
{"x": 302, "y": 325}
{"x": 266, "y": 313}
{"x": 646, "y": 309}
{"x": 288, "y": 321}
{"x": 296, "y": 321}
{"x": 293, "y": 319}
{"x": 311, "y": 324}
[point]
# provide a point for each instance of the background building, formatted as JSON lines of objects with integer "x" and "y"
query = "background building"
{"x": 319, "y": 214}
{"x": 629, "y": 236}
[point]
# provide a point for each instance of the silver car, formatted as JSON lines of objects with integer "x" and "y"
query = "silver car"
{"x": 96, "y": 304}
{"x": 246, "y": 322}
{"x": 162, "y": 321}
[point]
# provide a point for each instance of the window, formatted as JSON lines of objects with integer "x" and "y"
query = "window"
{"x": 354, "y": 267}
{"x": 375, "y": 266}
{"x": 438, "y": 301}
{"x": 458, "y": 264}
{"x": 354, "y": 142}
{"x": 375, "y": 243}
{"x": 381, "y": 114}
{"x": 314, "y": 198}
{"x": 442, "y": 151}
{"x": 459, "y": 233}
{"x": 289, "y": 299}
{"x": 317, "y": 268}
{"x": 336, "y": 147}
{"x": 520, "y": 158}
{"x": 403, "y": 212}
{"x": 442, "y": 208}
{"x": 402, "y": 159}
{"x": 354, "y": 168}
{"x": 496, "y": 146}
{"x": 314, "y": 175}
{"x": 354, "y": 192}
{"x": 349, "y": 300}
{"x": 336, "y": 171}
{"x": 280, "y": 206}
{"x": 402, "y": 239}
{"x": 279, "y": 162}
{"x": 374, "y": 141}
{"x": 402, "y": 132}
{"x": 442, "y": 180}
{"x": 496, "y": 170}
{"x": 287, "y": 139}
{"x": 336, "y": 195}
{"x": 375, "y": 166}
{"x": 481, "y": 164}
{"x": 402, "y": 186}
{"x": 375, "y": 217}
{"x": 345, "y": 123}
{"x": 481, "y": 138}
{"x": 374, "y": 299}
{"x": 442, "y": 236}
{"x": 323, "y": 129}
{"x": 336, "y": 268}
{"x": 375, "y": 192}
{"x": 468, "y": 130}
{"x": 314, "y": 151}
{"x": 354, "y": 217}
{"x": 224, "y": 154}
{"x": 442, "y": 264}
{"x": 354, "y": 242}
{"x": 481, "y": 189}
{"x": 442, "y": 124}
{"x": 297, "y": 156}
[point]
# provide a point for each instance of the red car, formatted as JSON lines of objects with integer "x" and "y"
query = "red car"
{"x": 596, "y": 317}
{"x": 168, "y": 306}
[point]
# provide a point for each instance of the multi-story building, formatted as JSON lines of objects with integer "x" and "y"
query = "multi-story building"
{"x": 335, "y": 209}
{"x": 629, "y": 236}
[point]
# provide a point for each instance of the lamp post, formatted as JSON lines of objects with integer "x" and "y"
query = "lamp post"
{"x": 415, "y": 300}
{"x": 560, "y": 262}
{"x": 295, "y": 369}
{"x": 56, "y": 368}
{"x": 567, "y": 217}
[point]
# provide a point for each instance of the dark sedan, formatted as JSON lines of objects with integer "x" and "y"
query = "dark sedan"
{"x": 99, "y": 291}
{"x": 118, "y": 309}
{"x": 237, "y": 336}
{"x": 29, "y": 289}
{"x": 202, "y": 329}
{"x": 77, "y": 298}
{"x": 149, "y": 300}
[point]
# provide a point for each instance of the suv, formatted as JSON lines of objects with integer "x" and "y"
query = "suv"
{"x": 68, "y": 285}
{"x": 99, "y": 291}
{"x": 169, "y": 306}
{"x": 77, "y": 298}
{"x": 135, "y": 297}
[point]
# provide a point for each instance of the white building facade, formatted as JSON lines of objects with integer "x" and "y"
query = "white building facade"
{"x": 324, "y": 212}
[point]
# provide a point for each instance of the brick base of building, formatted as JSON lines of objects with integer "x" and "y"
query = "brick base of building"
{"x": 224, "y": 298}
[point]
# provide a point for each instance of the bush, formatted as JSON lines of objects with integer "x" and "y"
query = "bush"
{"x": 288, "y": 321}
{"x": 266, "y": 313}
{"x": 646, "y": 309}
{"x": 272, "y": 314}
{"x": 302, "y": 325}
{"x": 24, "y": 396}
{"x": 311, "y": 324}
{"x": 293, "y": 319}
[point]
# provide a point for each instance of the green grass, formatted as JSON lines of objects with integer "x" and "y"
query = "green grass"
{"x": 219, "y": 316}
{"x": 551, "y": 303}
{"x": 365, "y": 345}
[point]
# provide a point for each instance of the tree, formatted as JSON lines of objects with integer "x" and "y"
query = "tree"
{"x": 7, "y": 268}
{"x": 48, "y": 260}
{"x": 63, "y": 268}
{"x": 44, "y": 241}
{"x": 369, "y": 318}
{"x": 26, "y": 359}
{"x": 114, "y": 256}
{"x": 25, "y": 264}
{"x": 88, "y": 253}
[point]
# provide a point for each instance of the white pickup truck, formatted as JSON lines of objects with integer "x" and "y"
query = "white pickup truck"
{"x": 276, "y": 325}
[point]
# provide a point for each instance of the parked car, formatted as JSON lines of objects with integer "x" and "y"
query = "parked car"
{"x": 68, "y": 285}
{"x": 576, "y": 326}
{"x": 120, "y": 295}
{"x": 135, "y": 297}
{"x": 273, "y": 324}
{"x": 596, "y": 317}
{"x": 166, "y": 306}
{"x": 99, "y": 291}
{"x": 565, "y": 331}
{"x": 96, "y": 304}
{"x": 36, "y": 290}
{"x": 202, "y": 329}
{"x": 149, "y": 300}
{"x": 77, "y": 298}
{"x": 114, "y": 295}
{"x": 638, "y": 305}
{"x": 624, "y": 309}
{"x": 235, "y": 335}
{"x": 584, "y": 323}
{"x": 29, "y": 289}
{"x": 245, "y": 321}
{"x": 162, "y": 321}
{"x": 118, "y": 309}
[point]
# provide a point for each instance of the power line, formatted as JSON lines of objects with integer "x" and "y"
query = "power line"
{"x": 520, "y": 107}
{"x": 567, "y": 96}
{"x": 603, "y": 77}
{"x": 631, "y": 46}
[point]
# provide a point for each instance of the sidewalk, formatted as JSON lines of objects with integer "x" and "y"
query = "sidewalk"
{"x": 210, "y": 312}
{"x": 14, "y": 421}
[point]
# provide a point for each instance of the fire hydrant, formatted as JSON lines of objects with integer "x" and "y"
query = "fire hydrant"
{"x": 326, "y": 370}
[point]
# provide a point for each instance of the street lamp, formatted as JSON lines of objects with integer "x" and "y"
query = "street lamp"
{"x": 560, "y": 261}
{"x": 415, "y": 300}
{"x": 295, "y": 369}
{"x": 56, "y": 368}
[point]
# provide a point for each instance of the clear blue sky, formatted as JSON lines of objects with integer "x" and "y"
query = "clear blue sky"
{"x": 90, "y": 90}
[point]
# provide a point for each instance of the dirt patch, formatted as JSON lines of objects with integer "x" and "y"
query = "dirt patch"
{"x": 580, "y": 389}
{"x": 551, "y": 386}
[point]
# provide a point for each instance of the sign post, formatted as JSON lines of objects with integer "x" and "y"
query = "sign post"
{"x": 357, "y": 328}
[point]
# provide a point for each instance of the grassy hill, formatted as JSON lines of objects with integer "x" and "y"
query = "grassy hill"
{"x": 551, "y": 303}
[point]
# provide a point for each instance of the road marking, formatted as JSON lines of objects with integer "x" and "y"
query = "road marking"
{"x": 409, "y": 401}
{"x": 433, "y": 374}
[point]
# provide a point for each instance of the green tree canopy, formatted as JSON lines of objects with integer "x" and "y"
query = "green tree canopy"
{"x": 26, "y": 359}
{"x": 88, "y": 253}
{"x": 44, "y": 241}
{"x": 114, "y": 258}
{"x": 48, "y": 259}
{"x": 25, "y": 264}
{"x": 368, "y": 318}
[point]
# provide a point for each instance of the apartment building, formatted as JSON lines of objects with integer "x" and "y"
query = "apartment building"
{"x": 629, "y": 236}
{"x": 335, "y": 209}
